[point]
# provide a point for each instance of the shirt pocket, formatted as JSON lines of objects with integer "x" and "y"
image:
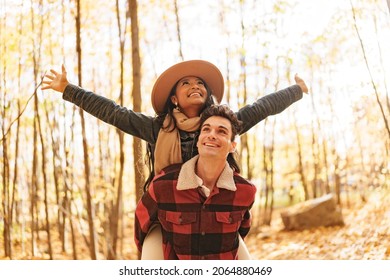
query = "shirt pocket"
{"x": 229, "y": 221}
{"x": 178, "y": 222}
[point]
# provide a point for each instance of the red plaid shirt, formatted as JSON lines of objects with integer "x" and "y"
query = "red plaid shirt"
{"x": 195, "y": 226}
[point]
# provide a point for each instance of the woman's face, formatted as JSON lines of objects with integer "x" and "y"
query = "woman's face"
{"x": 191, "y": 94}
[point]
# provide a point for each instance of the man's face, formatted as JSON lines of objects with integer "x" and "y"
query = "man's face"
{"x": 215, "y": 138}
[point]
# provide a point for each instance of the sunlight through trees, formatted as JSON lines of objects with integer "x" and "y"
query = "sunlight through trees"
{"x": 69, "y": 183}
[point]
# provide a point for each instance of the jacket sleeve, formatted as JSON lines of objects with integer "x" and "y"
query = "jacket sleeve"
{"x": 247, "y": 219}
{"x": 145, "y": 217}
{"x": 268, "y": 105}
{"x": 104, "y": 109}
{"x": 245, "y": 224}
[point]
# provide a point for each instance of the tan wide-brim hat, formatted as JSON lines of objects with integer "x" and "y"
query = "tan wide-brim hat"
{"x": 205, "y": 70}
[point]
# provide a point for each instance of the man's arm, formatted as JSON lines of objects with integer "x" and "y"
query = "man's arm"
{"x": 245, "y": 224}
{"x": 250, "y": 194}
{"x": 145, "y": 217}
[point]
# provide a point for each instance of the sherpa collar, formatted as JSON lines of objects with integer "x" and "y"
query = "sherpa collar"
{"x": 189, "y": 180}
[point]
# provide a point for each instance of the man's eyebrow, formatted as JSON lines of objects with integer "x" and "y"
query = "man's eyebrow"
{"x": 220, "y": 126}
{"x": 224, "y": 127}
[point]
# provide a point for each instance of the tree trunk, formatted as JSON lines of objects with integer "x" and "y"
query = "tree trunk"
{"x": 266, "y": 174}
{"x": 68, "y": 181}
{"x": 33, "y": 186}
{"x": 17, "y": 140}
{"x": 37, "y": 126}
{"x": 5, "y": 175}
{"x": 178, "y": 30}
{"x": 301, "y": 170}
{"x": 56, "y": 171}
{"x": 90, "y": 211}
{"x": 116, "y": 211}
{"x": 268, "y": 163}
{"x": 271, "y": 185}
{"x": 15, "y": 176}
{"x": 34, "y": 175}
{"x": 315, "y": 152}
{"x": 244, "y": 137}
{"x": 45, "y": 190}
{"x": 225, "y": 32}
{"x": 325, "y": 152}
{"x": 136, "y": 93}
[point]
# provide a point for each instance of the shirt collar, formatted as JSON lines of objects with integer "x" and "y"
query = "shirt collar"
{"x": 189, "y": 180}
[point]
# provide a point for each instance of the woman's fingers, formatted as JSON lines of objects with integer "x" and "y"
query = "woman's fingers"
{"x": 49, "y": 77}
{"x": 54, "y": 72}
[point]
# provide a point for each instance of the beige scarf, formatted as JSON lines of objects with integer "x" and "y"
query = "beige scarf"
{"x": 168, "y": 146}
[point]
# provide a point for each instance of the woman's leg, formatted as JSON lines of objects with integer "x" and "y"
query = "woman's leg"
{"x": 243, "y": 253}
{"x": 152, "y": 247}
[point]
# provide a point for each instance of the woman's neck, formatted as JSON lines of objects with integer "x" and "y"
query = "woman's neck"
{"x": 191, "y": 113}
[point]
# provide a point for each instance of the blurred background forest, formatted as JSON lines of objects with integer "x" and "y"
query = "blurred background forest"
{"x": 69, "y": 183}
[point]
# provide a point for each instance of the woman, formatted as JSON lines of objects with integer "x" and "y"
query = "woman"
{"x": 179, "y": 96}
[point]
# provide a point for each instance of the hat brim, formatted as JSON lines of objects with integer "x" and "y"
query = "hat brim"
{"x": 205, "y": 70}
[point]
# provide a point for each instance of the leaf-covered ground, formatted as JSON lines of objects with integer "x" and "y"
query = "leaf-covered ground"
{"x": 365, "y": 236}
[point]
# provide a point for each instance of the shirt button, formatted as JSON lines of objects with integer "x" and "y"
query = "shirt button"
{"x": 180, "y": 220}
{"x": 203, "y": 233}
{"x": 204, "y": 207}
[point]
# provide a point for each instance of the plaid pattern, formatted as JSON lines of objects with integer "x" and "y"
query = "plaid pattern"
{"x": 195, "y": 226}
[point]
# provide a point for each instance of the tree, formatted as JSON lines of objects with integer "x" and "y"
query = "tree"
{"x": 90, "y": 210}
{"x": 136, "y": 93}
{"x": 116, "y": 211}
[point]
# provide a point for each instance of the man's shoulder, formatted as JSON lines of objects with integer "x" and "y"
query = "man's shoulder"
{"x": 242, "y": 182}
{"x": 170, "y": 172}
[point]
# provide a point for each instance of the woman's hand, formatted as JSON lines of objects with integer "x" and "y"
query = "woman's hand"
{"x": 56, "y": 81}
{"x": 301, "y": 83}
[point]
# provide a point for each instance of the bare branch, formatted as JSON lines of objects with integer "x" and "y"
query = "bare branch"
{"x": 369, "y": 71}
{"x": 21, "y": 112}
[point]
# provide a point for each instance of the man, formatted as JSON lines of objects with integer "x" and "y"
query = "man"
{"x": 202, "y": 205}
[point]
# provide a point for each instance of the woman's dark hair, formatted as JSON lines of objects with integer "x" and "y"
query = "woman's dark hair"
{"x": 225, "y": 112}
{"x": 149, "y": 160}
{"x": 168, "y": 110}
